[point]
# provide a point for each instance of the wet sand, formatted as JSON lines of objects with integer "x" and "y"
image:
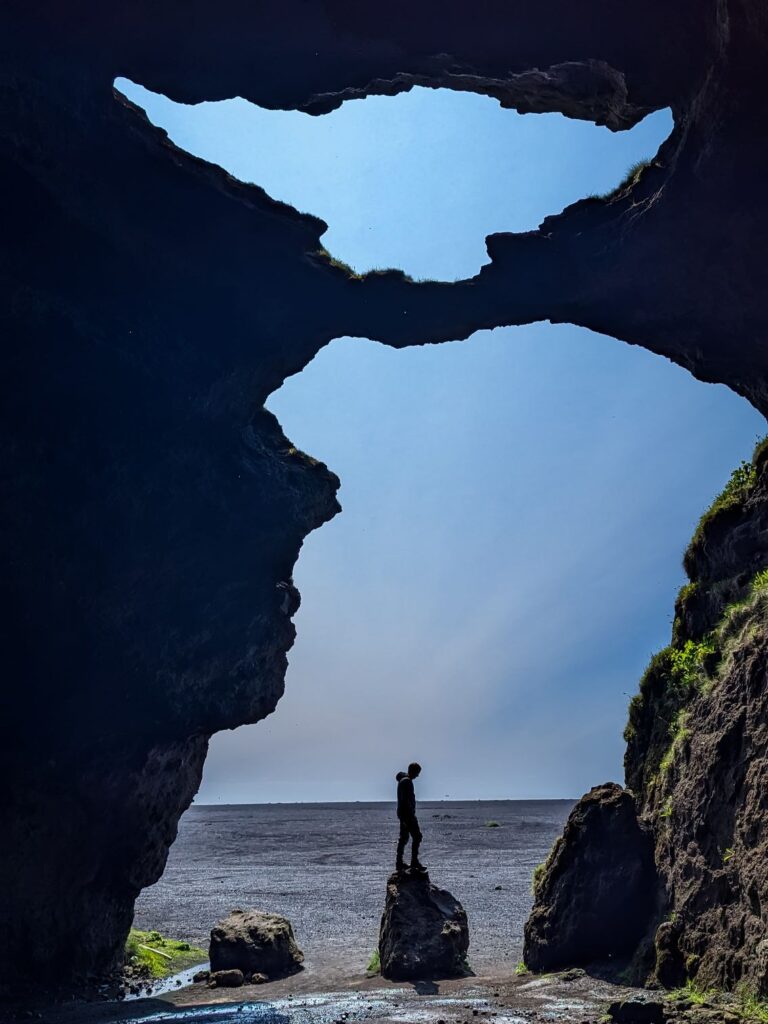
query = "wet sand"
{"x": 568, "y": 998}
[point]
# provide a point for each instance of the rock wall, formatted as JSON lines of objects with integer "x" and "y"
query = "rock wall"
{"x": 706, "y": 794}
{"x": 697, "y": 764}
{"x": 596, "y": 892}
{"x": 151, "y": 511}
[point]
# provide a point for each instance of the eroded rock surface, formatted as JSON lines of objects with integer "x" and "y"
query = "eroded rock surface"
{"x": 254, "y": 942}
{"x": 596, "y": 892}
{"x": 697, "y": 763}
{"x": 424, "y": 931}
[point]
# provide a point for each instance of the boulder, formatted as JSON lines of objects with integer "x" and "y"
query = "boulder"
{"x": 423, "y": 933}
{"x": 255, "y": 943}
{"x": 636, "y": 1011}
{"x": 598, "y": 890}
{"x": 226, "y": 979}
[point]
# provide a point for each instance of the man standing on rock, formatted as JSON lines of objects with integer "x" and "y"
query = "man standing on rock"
{"x": 406, "y": 812}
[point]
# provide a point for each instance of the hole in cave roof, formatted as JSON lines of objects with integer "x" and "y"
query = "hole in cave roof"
{"x": 415, "y": 181}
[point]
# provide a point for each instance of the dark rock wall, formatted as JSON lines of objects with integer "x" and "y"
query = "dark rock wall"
{"x": 596, "y": 892}
{"x": 697, "y": 766}
{"x": 706, "y": 796}
{"x": 150, "y": 510}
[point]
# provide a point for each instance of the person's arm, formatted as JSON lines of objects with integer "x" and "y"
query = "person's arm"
{"x": 411, "y": 793}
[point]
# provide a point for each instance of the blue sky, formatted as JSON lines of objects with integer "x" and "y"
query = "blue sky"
{"x": 515, "y": 506}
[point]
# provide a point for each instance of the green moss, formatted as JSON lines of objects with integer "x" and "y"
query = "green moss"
{"x": 538, "y": 876}
{"x": 742, "y": 619}
{"x": 680, "y": 733}
{"x": 689, "y": 664}
{"x": 323, "y": 256}
{"x": 696, "y": 995}
{"x": 752, "y": 1008}
{"x": 521, "y": 969}
{"x": 657, "y": 669}
{"x": 740, "y": 485}
{"x": 658, "y": 722}
{"x": 374, "y": 964}
{"x": 162, "y": 956}
{"x": 666, "y": 810}
{"x": 630, "y": 179}
{"x": 673, "y": 678}
{"x": 748, "y": 1007}
{"x": 686, "y": 591}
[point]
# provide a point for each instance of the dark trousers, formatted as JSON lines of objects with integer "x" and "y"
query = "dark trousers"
{"x": 409, "y": 829}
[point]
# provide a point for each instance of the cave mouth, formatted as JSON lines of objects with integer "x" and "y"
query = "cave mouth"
{"x": 508, "y": 551}
{"x": 532, "y": 648}
{"x": 414, "y": 181}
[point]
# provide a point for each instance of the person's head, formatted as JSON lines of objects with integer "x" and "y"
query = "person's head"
{"x": 414, "y": 769}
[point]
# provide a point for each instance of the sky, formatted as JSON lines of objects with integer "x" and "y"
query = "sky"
{"x": 515, "y": 506}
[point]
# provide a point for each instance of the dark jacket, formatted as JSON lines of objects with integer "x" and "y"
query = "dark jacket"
{"x": 406, "y": 797}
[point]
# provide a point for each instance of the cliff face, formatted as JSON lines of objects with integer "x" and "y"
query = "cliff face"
{"x": 697, "y": 764}
{"x": 702, "y": 788}
{"x": 151, "y": 511}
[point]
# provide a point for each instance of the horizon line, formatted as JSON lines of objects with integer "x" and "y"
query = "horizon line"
{"x": 444, "y": 800}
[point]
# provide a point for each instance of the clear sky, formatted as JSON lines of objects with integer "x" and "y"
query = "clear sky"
{"x": 515, "y": 506}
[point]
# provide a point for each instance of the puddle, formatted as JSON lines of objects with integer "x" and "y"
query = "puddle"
{"x": 169, "y": 984}
{"x": 328, "y": 1008}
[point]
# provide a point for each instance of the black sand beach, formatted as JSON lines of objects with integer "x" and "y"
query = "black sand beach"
{"x": 325, "y": 867}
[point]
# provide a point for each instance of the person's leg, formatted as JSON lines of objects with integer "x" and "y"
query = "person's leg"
{"x": 417, "y": 837}
{"x": 403, "y": 839}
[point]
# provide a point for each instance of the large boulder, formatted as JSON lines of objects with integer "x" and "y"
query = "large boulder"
{"x": 598, "y": 889}
{"x": 423, "y": 933}
{"x": 255, "y": 943}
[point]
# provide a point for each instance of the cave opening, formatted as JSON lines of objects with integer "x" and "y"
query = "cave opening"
{"x": 514, "y": 510}
{"x": 414, "y": 181}
{"x": 154, "y": 510}
{"x": 492, "y": 572}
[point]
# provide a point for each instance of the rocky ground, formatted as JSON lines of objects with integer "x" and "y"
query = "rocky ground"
{"x": 571, "y": 997}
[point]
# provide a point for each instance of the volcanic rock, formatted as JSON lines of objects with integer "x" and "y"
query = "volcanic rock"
{"x": 598, "y": 886}
{"x": 424, "y": 931}
{"x": 255, "y": 943}
{"x": 226, "y": 979}
{"x": 153, "y": 510}
{"x": 635, "y": 1011}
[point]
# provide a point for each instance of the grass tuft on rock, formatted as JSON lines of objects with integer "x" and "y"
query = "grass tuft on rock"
{"x": 374, "y": 964}
{"x": 537, "y": 876}
{"x": 729, "y": 501}
{"x": 159, "y": 955}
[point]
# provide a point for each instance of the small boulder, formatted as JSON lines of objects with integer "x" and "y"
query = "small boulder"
{"x": 635, "y": 1011}
{"x": 201, "y": 976}
{"x": 258, "y": 978}
{"x": 423, "y": 933}
{"x": 226, "y": 979}
{"x": 255, "y": 943}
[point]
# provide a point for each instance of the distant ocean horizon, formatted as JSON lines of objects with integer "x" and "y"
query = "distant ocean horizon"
{"x": 445, "y": 800}
{"x": 325, "y": 866}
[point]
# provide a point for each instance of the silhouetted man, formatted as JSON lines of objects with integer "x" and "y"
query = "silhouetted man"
{"x": 406, "y": 812}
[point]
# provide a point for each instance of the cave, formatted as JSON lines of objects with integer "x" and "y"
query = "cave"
{"x": 153, "y": 509}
